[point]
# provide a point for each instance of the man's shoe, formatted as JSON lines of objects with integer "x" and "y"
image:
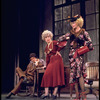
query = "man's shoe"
{"x": 9, "y": 95}
{"x": 44, "y": 96}
{"x": 33, "y": 95}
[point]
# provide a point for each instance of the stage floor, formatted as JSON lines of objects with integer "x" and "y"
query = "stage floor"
{"x": 63, "y": 97}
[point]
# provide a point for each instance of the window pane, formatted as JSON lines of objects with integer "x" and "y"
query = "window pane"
{"x": 89, "y": 8}
{"x": 90, "y": 22}
{"x": 97, "y": 5}
{"x": 97, "y": 36}
{"x": 57, "y": 2}
{"x": 65, "y": 55}
{"x": 56, "y": 37}
{"x": 97, "y": 20}
{"x": 93, "y": 36}
{"x": 66, "y": 27}
{"x": 66, "y": 12}
{"x": 58, "y": 28}
{"x": 58, "y": 14}
{"x": 94, "y": 54}
{"x": 56, "y": 33}
{"x": 75, "y": 9}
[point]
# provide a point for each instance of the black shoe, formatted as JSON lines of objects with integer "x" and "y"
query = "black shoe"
{"x": 53, "y": 96}
{"x": 44, "y": 96}
{"x": 9, "y": 95}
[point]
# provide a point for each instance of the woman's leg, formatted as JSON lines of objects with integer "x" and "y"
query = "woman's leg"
{"x": 46, "y": 91}
{"x": 46, "y": 94}
{"x": 81, "y": 82}
{"x": 55, "y": 91}
{"x": 71, "y": 90}
{"x": 76, "y": 90}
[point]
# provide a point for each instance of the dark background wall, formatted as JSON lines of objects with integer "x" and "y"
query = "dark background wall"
{"x": 20, "y": 26}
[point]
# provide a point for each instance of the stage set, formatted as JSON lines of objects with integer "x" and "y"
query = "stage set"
{"x": 22, "y": 25}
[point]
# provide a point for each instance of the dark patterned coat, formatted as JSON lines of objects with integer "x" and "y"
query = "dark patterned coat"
{"x": 77, "y": 66}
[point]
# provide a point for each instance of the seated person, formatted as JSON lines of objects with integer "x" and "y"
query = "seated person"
{"x": 28, "y": 74}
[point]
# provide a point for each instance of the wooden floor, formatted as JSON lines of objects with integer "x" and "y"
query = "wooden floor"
{"x": 63, "y": 97}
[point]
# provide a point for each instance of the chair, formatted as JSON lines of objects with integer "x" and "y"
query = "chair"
{"x": 93, "y": 78}
{"x": 28, "y": 88}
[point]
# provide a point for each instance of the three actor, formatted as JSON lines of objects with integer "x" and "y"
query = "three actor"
{"x": 54, "y": 73}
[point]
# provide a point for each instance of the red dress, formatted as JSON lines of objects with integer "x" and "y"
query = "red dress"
{"x": 54, "y": 74}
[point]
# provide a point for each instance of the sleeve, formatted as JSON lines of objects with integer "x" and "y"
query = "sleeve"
{"x": 61, "y": 45}
{"x": 64, "y": 37}
{"x": 88, "y": 41}
{"x": 41, "y": 63}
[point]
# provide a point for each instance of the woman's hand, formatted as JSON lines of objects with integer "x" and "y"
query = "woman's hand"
{"x": 58, "y": 53}
{"x": 44, "y": 67}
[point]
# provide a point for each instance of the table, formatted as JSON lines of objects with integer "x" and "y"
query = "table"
{"x": 39, "y": 71}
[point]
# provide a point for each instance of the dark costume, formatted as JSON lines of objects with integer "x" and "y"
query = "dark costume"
{"x": 54, "y": 74}
{"x": 77, "y": 66}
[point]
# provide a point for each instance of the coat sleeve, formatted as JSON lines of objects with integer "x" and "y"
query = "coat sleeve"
{"x": 88, "y": 41}
{"x": 64, "y": 37}
{"x": 61, "y": 45}
{"x": 41, "y": 63}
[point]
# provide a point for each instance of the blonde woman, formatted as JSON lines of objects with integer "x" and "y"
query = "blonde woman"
{"x": 54, "y": 74}
{"x": 78, "y": 38}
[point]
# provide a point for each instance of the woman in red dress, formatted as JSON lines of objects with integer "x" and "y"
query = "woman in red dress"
{"x": 54, "y": 74}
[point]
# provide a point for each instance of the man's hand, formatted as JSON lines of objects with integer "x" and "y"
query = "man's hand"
{"x": 36, "y": 62}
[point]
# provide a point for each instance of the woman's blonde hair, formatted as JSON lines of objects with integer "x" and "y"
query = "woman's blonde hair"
{"x": 46, "y": 33}
{"x": 80, "y": 21}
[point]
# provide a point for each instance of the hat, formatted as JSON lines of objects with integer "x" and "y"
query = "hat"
{"x": 32, "y": 55}
{"x": 74, "y": 18}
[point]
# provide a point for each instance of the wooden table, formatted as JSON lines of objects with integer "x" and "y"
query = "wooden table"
{"x": 39, "y": 71}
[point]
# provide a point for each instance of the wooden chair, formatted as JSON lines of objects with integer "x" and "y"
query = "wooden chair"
{"x": 28, "y": 88}
{"x": 93, "y": 78}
